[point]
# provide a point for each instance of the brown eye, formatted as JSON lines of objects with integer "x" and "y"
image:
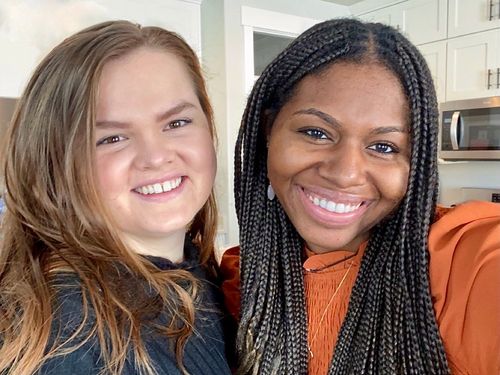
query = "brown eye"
{"x": 315, "y": 133}
{"x": 178, "y": 123}
{"x": 111, "y": 139}
{"x": 384, "y": 148}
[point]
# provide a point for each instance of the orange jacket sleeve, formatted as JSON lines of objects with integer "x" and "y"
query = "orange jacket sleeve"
{"x": 230, "y": 272}
{"x": 464, "y": 271}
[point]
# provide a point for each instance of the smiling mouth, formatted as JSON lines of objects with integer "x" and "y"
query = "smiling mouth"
{"x": 331, "y": 206}
{"x": 158, "y": 188}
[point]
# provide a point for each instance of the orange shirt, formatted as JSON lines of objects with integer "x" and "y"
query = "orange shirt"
{"x": 464, "y": 271}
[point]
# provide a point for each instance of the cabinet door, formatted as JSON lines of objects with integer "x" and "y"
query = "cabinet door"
{"x": 470, "y": 16}
{"x": 470, "y": 58}
{"x": 424, "y": 21}
{"x": 391, "y": 16}
{"x": 435, "y": 55}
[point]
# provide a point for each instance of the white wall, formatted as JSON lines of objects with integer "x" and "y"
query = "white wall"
{"x": 29, "y": 29}
{"x": 214, "y": 66}
{"x": 471, "y": 174}
{"x": 224, "y": 65}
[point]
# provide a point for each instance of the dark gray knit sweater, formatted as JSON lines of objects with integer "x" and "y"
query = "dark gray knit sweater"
{"x": 204, "y": 352}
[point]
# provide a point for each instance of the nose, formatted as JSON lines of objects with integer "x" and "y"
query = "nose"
{"x": 153, "y": 151}
{"x": 345, "y": 166}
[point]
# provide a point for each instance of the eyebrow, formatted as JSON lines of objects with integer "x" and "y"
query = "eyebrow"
{"x": 162, "y": 116}
{"x": 388, "y": 129}
{"x": 175, "y": 110}
{"x": 336, "y": 124}
{"x": 322, "y": 115}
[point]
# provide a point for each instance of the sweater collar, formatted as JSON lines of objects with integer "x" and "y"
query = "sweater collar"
{"x": 191, "y": 258}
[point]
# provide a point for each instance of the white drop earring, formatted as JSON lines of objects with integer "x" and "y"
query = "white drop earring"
{"x": 270, "y": 192}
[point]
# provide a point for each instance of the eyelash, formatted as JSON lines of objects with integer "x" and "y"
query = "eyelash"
{"x": 110, "y": 140}
{"x": 394, "y": 148}
{"x": 315, "y": 133}
{"x": 184, "y": 122}
{"x": 320, "y": 134}
{"x": 117, "y": 138}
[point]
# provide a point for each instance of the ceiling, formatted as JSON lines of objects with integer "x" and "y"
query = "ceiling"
{"x": 343, "y": 2}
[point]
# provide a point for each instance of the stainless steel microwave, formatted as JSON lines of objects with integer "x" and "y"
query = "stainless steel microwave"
{"x": 470, "y": 129}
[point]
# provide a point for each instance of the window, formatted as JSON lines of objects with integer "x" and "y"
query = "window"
{"x": 266, "y": 47}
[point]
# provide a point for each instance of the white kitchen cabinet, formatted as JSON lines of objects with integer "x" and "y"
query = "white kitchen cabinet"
{"x": 472, "y": 66}
{"x": 470, "y": 16}
{"x": 391, "y": 16}
{"x": 435, "y": 55}
{"x": 422, "y": 21}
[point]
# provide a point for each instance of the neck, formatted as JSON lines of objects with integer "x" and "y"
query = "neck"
{"x": 170, "y": 247}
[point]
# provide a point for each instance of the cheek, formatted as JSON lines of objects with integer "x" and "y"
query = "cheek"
{"x": 277, "y": 170}
{"x": 202, "y": 156}
{"x": 395, "y": 184}
{"x": 109, "y": 174}
{"x": 287, "y": 164}
{"x": 283, "y": 161}
{"x": 101, "y": 172}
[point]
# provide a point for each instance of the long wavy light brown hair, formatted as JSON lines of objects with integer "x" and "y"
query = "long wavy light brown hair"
{"x": 56, "y": 222}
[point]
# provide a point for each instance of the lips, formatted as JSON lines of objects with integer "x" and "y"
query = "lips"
{"x": 160, "y": 187}
{"x": 331, "y": 208}
{"x": 337, "y": 206}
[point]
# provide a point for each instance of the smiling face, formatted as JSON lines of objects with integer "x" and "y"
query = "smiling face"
{"x": 339, "y": 154}
{"x": 155, "y": 157}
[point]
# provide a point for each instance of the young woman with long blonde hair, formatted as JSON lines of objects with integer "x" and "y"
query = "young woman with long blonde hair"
{"x": 106, "y": 259}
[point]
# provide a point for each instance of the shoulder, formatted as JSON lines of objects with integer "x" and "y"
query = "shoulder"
{"x": 464, "y": 239}
{"x": 71, "y": 331}
{"x": 230, "y": 274}
{"x": 464, "y": 270}
{"x": 69, "y": 305}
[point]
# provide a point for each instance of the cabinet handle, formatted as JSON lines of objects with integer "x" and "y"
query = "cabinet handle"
{"x": 490, "y": 73}
{"x": 491, "y": 6}
{"x": 498, "y": 78}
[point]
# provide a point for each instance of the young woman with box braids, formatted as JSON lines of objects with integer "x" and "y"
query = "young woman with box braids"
{"x": 348, "y": 269}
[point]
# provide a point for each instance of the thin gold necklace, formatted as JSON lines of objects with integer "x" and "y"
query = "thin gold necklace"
{"x": 326, "y": 309}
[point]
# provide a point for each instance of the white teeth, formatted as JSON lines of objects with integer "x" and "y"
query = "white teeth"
{"x": 159, "y": 187}
{"x": 167, "y": 186}
{"x": 322, "y": 203}
{"x": 331, "y": 206}
{"x": 340, "y": 208}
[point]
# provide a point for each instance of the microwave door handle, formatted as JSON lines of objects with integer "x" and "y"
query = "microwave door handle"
{"x": 455, "y": 118}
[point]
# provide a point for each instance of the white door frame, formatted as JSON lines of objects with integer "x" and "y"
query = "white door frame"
{"x": 268, "y": 22}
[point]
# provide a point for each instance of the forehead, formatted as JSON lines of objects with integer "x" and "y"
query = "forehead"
{"x": 365, "y": 94}
{"x": 144, "y": 78}
{"x": 143, "y": 62}
{"x": 352, "y": 84}
{"x": 344, "y": 77}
